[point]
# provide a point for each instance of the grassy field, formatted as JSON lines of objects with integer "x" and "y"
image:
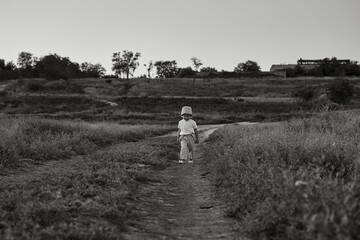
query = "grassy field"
{"x": 145, "y": 109}
{"x": 91, "y": 198}
{"x": 242, "y": 87}
{"x": 292, "y": 179}
{"x": 159, "y": 100}
{"x": 280, "y": 180}
{"x": 87, "y": 197}
{"x": 36, "y": 139}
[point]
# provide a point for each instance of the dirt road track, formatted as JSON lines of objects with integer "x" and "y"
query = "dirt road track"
{"x": 183, "y": 204}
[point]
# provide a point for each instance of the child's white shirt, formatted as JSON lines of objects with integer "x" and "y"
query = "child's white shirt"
{"x": 187, "y": 127}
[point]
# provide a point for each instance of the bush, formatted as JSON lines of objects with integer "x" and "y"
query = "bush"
{"x": 186, "y": 72}
{"x": 35, "y": 86}
{"x": 305, "y": 93}
{"x": 341, "y": 91}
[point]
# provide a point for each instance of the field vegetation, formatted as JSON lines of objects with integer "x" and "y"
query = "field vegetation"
{"x": 280, "y": 180}
{"x": 87, "y": 197}
{"x": 159, "y": 100}
{"x": 36, "y": 139}
{"x": 92, "y": 198}
{"x": 291, "y": 180}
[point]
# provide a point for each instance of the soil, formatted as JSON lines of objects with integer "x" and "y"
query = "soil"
{"x": 183, "y": 204}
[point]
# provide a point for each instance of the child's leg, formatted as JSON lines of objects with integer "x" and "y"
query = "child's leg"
{"x": 184, "y": 152}
{"x": 191, "y": 147}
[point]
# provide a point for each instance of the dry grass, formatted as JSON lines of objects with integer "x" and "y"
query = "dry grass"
{"x": 291, "y": 179}
{"x": 44, "y": 139}
{"x": 94, "y": 199}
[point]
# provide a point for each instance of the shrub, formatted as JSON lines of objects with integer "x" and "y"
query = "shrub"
{"x": 341, "y": 91}
{"x": 186, "y": 72}
{"x": 35, "y": 86}
{"x": 305, "y": 93}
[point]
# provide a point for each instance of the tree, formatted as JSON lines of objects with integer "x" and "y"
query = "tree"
{"x": 26, "y": 60}
{"x": 54, "y": 66}
{"x": 207, "y": 73}
{"x": 2, "y": 64}
{"x": 248, "y": 66}
{"x": 209, "y": 70}
{"x": 125, "y": 63}
{"x": 186, "y": 72}
{"x": 8, "y": 70}
{"x": 10, "y": 66}
{"x": 92, "y": 70}
{"x": 196, "y": 63}
{"x": 166, "y": 69}
{"x": 353, "y": 69}
{"x": 149, "y": 68}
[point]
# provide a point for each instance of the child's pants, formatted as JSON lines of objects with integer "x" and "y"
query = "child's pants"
{"x": 187, "y": 147}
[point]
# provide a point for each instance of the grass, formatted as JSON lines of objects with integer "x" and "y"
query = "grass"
{"x": 46, "y": 139}
{"x": 281, "y": 181}
{"x": 242, "y": 87}
{"x": 93, "y": 200}
{"x": 145, "y": 109}
{"x": 286, "y": 180}
{"x": 145, "y": 100}
{"x": 266, "y": 87}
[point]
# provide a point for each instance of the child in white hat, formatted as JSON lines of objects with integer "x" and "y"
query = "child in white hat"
{"x": 187, "y": 135}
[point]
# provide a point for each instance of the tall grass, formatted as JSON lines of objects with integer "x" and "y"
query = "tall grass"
{"x": 94, "y": 198}
{"x": 44, "y": 139}
{"x": 295, "y": 180}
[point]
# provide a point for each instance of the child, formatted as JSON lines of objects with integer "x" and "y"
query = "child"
{"x": 187, "y": 135}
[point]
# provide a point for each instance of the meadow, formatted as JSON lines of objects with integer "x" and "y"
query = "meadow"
{"x": 73, "y": 166}
{"x": 85, "y": 178}
{"x": 33, "y": 139}
{"x": 153, "y": 101}
{"x": 291, "y": 180}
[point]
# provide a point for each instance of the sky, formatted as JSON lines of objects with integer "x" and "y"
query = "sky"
{"x": 221, "y": 33}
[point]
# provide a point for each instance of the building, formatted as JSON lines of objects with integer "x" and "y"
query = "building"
{"x": 306, "y": 64}
{"x": 281, "y": 67}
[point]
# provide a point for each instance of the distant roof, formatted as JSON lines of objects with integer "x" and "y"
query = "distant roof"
{"x": 319, "y": 61}
{"x": 279, "y": 67}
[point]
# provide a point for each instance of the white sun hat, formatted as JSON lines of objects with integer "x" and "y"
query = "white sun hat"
{"x": 186, "y": 110}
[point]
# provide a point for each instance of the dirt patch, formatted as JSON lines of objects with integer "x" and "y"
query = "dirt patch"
{"x": 182, "y": 205}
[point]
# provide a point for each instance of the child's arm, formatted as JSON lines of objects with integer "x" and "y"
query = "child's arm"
{"x": 196, "y": 135}
{"x": 178, "y": 135}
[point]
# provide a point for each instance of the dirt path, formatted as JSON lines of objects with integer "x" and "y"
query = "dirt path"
{"x": 183, "y": 204}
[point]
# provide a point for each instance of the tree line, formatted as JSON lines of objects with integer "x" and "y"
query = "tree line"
{"x": 125, "y": 63}
{"x": 51, "y": 66}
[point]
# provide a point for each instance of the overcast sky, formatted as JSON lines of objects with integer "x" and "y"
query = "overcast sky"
{"x": 221, "y": 33}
